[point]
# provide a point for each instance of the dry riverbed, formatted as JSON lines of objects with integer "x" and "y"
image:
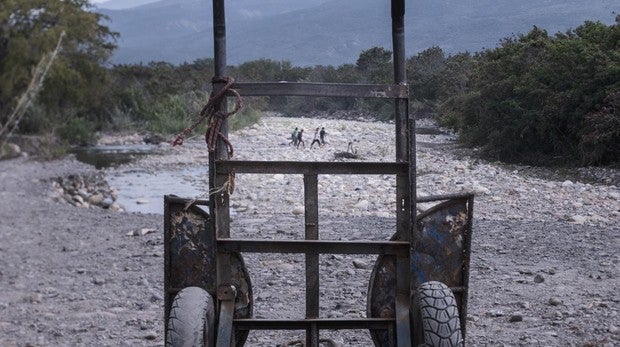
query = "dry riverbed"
{"x": 544, "y": 267}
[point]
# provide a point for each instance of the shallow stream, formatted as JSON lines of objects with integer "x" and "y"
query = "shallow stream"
{"x": 112, "y": 155}
{"x": 142, "y": 190}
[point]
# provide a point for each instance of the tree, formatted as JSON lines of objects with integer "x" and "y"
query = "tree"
{"x": 528, "y": 98}
{"x": 11, "y": 121}
{"x": 374, "y": 65}
{"x": 75, "y": 85}
{"x": 424, "y": 71}
{"x": 600, "y": 133}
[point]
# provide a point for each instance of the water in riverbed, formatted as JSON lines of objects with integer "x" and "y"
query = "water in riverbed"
{"x": 143, "y": 191}
{"x": 111, "y": 156}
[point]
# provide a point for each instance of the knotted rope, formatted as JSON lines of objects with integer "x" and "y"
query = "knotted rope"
{"x": 215, "y": 118}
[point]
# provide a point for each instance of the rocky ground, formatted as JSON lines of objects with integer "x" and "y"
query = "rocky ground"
{"x": 544, "y": 267}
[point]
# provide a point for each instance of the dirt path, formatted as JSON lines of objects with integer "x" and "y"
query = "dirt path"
{"x": 73, "y": 277}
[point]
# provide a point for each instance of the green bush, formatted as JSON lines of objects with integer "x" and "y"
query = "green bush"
{"x": 169, "y": 114}
{"x": 600, "y": 135}
{"x": 78, "y": 131}
{"x": 527, "y": 100}
{"x": 249, "y": 114}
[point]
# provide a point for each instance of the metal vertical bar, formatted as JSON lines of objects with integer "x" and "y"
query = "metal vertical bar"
{"x": 402, "y": 131}
{"x": 404, "y": 183}
{"x": 219, "y": 37}
{"x": 311, "y": 197}
{"x": 466, "y": 262}
{"x": 400, "y": 75}
{"x": 219, "y": 203}
{"x": 167, "y": 295}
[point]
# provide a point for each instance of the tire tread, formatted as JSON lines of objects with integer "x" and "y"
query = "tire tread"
{"x": 191, "y": 315}
{"x": 439, "y": 313}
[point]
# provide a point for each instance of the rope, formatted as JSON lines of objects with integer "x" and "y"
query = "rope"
{"x": 214, "y": 117}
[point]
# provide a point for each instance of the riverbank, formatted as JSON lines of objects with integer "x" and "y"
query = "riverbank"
{"x": 543, "y": 250}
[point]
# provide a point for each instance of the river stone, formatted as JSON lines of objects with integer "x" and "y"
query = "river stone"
{"x": 359, "y": 264}
{"x": 298, "y": 210}
{"x": 142, "y": 201}
{"x": 10, "y": 150}
{"x": 34, "y": 298}
{"x": 145, "y": 231}
{"x": 555, "y": 302}
{"x": 567, "y": 183}
{"x": 150, "y": 336}
{"x": 78, "y": 199}
{"x": 539, "y": 279}
{"x": 98, "y": 281}
{"x": 107, "y": 202}
{"x": 495, "y": 313}
{"x": 578, "y": 219}
{"x": 96, "y": 199}
{"x": 83, "y": 193}
{"x": 286, "y": 267}
{"x": 361, "y": 205}
{"x": 516, "y": 317}
{"x": 116, "y": 207}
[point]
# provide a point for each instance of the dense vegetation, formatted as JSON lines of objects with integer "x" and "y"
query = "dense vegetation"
{"x": 538, "y": 97}
{"x": 535, "y": 98}
{"x": 74, "y": 88}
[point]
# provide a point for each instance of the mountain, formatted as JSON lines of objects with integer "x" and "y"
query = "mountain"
{"x": 120, "y": 4}
{"x": 334, "y": 32}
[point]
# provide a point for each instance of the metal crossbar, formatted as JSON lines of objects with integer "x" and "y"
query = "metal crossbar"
{"x": 301, "y": 167}
{"x": 382, "y": 91}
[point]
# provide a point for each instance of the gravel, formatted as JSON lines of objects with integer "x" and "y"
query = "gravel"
{"x": 75, "y": 276}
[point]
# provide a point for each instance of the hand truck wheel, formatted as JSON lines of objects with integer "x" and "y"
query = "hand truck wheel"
{"x": 192, "y": 319}
{"x": 438, "y": 322}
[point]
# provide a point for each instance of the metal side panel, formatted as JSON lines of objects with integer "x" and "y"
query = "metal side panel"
{"x": 190, "y": 258}
{"x": 440, "y": 252}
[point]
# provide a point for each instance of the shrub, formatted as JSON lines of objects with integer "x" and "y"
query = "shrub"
{"x": 78, "y": 131}
{"x": 600, "y": 135}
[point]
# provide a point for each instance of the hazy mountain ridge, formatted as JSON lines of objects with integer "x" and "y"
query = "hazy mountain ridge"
{"x": 309, "y": 32}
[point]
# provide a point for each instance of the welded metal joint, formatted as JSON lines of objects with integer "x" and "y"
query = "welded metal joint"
{"x": 226, "y": 292}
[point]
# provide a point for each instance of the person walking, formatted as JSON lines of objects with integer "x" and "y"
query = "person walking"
{"x": 294, "y": 138}
{"x": 300, "y": 139}
{"x": 316, "y": 139}
{"x": 322, "y": 136}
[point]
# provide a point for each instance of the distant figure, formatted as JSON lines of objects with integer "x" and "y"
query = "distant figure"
{"x": 350, "y": 148}
{"x": 300, "y": 139}
{"x": 322, "y": 134}
{"x": 294, "y": 138}
{"x": 316, "y": 139}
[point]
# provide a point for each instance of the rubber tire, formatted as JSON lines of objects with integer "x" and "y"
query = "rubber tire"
{"x": 192, "y": 319}
{"x": 438, "y": 316}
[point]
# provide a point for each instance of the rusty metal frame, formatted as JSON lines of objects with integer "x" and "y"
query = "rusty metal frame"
{"x": 441, "y": 252}
{"x": 190, "y": 260}
{"x": 226, "y": 252}
{"x": 404, "y": 168}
